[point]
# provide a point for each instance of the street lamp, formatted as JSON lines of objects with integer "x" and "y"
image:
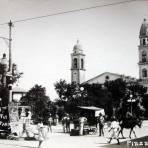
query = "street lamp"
{"x": 131, "y": 100}
{"x": 81, "y": 88}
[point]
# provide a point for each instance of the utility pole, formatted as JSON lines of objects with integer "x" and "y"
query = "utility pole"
{"x": 6, "y": 68}
{"x": 10, "y": 24}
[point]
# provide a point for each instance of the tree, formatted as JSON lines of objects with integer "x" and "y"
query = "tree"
{"x": 72, "y": 95}
{"x": 99, "y": 96}
{"x": 127, "y": 97}
{"x": 4, "y": 94}
{"x": 37, "y": 99}
{"x": 136, "y": 89}
{"x": 111, "y": 96}
{"x": 145, "y": 104}
{"x": 137, "y": 93}
{"x": 66, "y": 91}
{"x": 7, "y": 79}
{"x": 117, "y": 89}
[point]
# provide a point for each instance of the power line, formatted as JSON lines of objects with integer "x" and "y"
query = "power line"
{"x": 71, "y": 11}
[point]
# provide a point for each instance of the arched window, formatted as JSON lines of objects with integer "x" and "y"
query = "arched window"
{"x": 144, "y": 59}
{"x": 144, "y": 42}
{"x": 75, "y": 63}
{"x": 82, "y": 63}
{"x": 144, "y": 73}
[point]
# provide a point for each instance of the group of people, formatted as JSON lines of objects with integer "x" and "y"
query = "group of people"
{"x": 66, "y": 123}
{"x": 114, "y": 128}
{"x": 78, "y": 123}
{"x": 66, "y": 120}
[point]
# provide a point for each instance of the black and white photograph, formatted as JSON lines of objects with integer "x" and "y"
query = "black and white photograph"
{"x": 73, "y": 73}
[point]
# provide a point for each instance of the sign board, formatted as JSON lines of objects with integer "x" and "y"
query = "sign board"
{"x": 13, "y": 113}
{"x": 4, "y": 119}
{"x": 17, "y": 115}
{"x": 23, "y": 113}
{"x": 16, "y": 126}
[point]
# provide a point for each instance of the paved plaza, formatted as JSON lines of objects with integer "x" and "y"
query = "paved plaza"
{"x": 58, "y": 139}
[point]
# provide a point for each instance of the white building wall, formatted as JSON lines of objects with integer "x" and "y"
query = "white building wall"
{"x": 102, "y": 78}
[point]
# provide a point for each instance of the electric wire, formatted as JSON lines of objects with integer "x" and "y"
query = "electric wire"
{"x": 70, "y": 11}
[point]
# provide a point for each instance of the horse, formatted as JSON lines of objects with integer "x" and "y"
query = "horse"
{"x": 129, "y": 124}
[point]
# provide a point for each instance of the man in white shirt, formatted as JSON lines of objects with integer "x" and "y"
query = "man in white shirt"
{"x": 82, "y": 121}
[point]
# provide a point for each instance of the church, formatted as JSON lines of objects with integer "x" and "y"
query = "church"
{"x": 78, "y": 63}
{"x": 143, "y": 54}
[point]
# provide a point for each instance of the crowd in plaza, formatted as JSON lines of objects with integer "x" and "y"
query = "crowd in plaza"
{"x": 78, "y": 125}
{"x": 75, "y": 125}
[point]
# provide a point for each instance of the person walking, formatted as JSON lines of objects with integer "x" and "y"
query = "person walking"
{"x": 67, "y": 123}
{"x": 82, "y": 121}
{"x": 56, "y": 119}
{"x": 114, "y": 130}
{"x": 50, "y": 120}
{"x": 41, "y": 133}
{"x": 64, "y": 123}
{"x": 101, "y": 124}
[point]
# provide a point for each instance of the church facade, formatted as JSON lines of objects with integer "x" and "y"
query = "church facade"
{"x": 108, "y": 76}
{"x": 78, "y": 69}
{"x": 78, "y": 63}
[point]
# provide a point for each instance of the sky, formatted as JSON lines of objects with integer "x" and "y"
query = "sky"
{"x": 41, "y": 48}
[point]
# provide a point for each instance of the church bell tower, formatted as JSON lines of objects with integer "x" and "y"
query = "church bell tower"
{"x": 143, "y": 54}
{"x": 77, "y": 64}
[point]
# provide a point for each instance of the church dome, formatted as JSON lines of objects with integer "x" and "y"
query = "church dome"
{"x": 77, "y": 47}
{"x": 144, "y": 29}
